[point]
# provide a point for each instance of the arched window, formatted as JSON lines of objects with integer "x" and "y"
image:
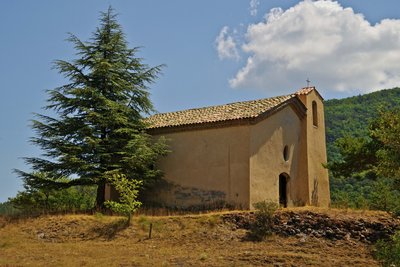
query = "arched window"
{"x": 286, "y": 153}
{"x": 314, "y": 114}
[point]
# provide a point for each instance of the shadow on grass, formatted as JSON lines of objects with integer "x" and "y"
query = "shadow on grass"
{"x": 110, "y": 230}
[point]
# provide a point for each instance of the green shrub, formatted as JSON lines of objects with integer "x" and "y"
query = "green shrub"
{"x": 388, "y": 251}
{"x": 263, "y": 222}
{"x": 7, "y": 208}
{"x": 72, "y": 199}
{"x": 385, "y": 196}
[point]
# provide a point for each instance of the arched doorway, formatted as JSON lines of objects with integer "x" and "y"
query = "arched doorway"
{"x": 283, "y": 180}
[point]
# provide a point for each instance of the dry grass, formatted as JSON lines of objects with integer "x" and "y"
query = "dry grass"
{"x": 192, "y": 240}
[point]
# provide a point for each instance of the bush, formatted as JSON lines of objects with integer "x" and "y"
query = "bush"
{"x": 388, "y": 252}
{"x": 72, "y": 199}
{"x": 263, "y": 222}
{"x": 7, "y": 208}
{"x": 385, "y": 196}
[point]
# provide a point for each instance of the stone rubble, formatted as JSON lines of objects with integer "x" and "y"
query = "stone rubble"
{"x": 309, "y": 224}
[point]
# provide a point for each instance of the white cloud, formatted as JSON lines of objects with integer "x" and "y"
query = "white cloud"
{"x": 253, "y": 7}
{"x": 226, "y": 45}
{"x": 336, "y": 48}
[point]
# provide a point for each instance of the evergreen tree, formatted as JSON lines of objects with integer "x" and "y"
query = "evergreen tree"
{"x": 98, "y": 130}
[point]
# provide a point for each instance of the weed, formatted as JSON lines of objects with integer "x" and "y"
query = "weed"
{"x": 211, "y": 221}
{"x": 263, "y": 222}
{"x": 203, "y": 256}
{"x": 143, "y": 222}
{"x": 99, "y": 216}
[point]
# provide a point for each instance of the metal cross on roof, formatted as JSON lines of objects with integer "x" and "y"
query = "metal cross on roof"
{"x": 308, "y": 82}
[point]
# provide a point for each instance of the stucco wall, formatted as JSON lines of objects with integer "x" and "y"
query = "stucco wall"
{"x": 205, "y": 167}
{"x": 240, "y": 165}
{"x": 267, "y": 141}
{"x": 318, "y": 185}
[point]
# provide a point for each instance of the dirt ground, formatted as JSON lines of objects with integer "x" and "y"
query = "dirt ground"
{"x": 196, "y": 240}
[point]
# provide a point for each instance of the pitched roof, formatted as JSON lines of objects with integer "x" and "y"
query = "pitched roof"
{"x": 225, "y": 114}
{"x": 305, "y": 90}
{"x": 233, "y": 111}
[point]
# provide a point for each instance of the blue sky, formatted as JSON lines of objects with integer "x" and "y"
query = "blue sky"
{"x": 216, "y": 52}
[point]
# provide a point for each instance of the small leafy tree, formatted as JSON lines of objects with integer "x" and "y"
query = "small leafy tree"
{"x": 98, "y": 127}
{"x": 128, "y": 192}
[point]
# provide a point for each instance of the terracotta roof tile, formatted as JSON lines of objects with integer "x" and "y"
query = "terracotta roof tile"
{"x": 305, "y": 90}
{"x": 228, "y": 112}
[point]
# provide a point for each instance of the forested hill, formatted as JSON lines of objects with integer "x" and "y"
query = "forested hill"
{"x": 352, "y": 115}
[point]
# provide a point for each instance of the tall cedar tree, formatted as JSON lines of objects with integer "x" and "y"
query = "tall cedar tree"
{"x": 99, "y": 129}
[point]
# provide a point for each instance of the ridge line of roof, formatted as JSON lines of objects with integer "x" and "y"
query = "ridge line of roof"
{"x": 225, "y": 113}
{"x": 220, "y": 105}
{"x": 293, "y": 101}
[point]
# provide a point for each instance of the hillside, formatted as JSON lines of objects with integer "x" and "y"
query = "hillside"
{"x": 303, "y": 237}
{"x": 351, "y": 115}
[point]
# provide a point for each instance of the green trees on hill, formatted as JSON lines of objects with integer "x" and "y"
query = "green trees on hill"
{"x": 351, "y": 116}
{"x": 98, "y": 129}
{"x": 348, "y": 143}
{"x": 367, "y": 170}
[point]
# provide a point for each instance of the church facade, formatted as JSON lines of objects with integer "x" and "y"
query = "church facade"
{"x": 241, "y": 153}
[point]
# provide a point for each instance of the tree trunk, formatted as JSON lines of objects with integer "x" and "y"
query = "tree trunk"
{"x": 100, "y": 197}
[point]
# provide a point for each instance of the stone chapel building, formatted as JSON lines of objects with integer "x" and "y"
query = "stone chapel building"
{"x": 241, "y": 153}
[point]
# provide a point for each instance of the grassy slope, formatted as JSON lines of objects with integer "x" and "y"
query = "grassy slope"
{"x": 199, "y": 240}
{"x": 351, "y": 115}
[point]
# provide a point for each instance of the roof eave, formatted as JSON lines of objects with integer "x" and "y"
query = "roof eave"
{"x": 298, "y": 107}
